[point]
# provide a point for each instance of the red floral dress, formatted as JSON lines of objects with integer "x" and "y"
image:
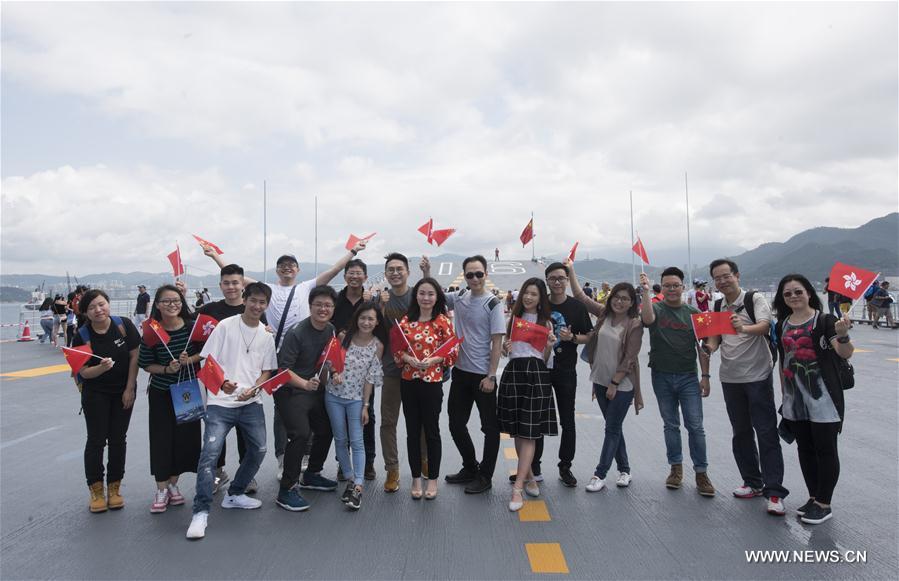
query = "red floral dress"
{"x": 424, "y": 338}
{"x": 805, "y": 397}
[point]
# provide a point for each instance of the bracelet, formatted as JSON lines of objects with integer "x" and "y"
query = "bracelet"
{"x": 365, "y": 405}
{"x": 354, "y": 252}
{"x": 615, "y": 383}
{"x": 706, "y": 375}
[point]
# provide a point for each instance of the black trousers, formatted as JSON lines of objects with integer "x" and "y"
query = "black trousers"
{"x": 241, "y": 449}
{"x": 302, "y": 414}
{"x": 464, "y": 393}
{"x": 107, "y": 424}
{"x": 818, "y": 457}
{"x": 564, "y": 383}
{"x": 174, "y": 448}
{"x": 422, "y": 402}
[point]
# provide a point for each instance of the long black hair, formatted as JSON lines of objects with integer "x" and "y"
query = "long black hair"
{"x": 781, "y": 310}
{"x": 544, "y": 309}
{"x": 414, "y": 311}
{"x": 185, "y": 311}
{"x": 380, "y": 330}
{"x": 633, "y": 311}
{"x": 48, "y": 302}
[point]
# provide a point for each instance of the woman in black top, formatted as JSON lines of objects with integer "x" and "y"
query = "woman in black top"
{"x": 59, "y": 316}
{"x": 108, "y": 388}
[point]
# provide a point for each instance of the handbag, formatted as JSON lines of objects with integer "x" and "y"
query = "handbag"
{"x": 187, "y": 400}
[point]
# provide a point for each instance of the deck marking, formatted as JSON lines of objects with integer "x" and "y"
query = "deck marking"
{"x": 546, "y": 558}
{"x": 38, "y": 371}
{"x": 896, "y": 360}
{"x": 857, "y": 350}
{"x": 28, "y": 437}
{"x": 534, "y": 511}
{"x": 510, "y": 453}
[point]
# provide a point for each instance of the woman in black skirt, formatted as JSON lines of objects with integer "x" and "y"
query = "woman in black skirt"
{"x": 525, "y": 400}
{"x": 174, "y": 447}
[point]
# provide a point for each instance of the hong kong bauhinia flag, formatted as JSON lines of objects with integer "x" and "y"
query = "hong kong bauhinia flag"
{"x": 202, "y": 328}
{"x": 712, "y": 324}
{"x": 272, "y": 384}
{"x": 850, "y": 281}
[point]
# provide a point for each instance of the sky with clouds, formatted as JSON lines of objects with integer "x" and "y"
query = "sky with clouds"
{"x": 128, "y": 126}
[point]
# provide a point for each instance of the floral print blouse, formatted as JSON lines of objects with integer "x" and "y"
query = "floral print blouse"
{"x": 362, "y": 366}
{"x": 425, "y": 338}
{"x": 805, "y": 396}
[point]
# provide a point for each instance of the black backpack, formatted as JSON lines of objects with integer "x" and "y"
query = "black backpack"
{"x": 749, "y": 305}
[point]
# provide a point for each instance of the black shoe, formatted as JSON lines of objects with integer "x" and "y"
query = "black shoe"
{"x": 463, "y": 476}
{"x": 804, "y": 508}
{"x": 567, "y": 477}
{"x": 354, "y": 501}
{"x": 479, "y": 485}
{"x": 370, "y": 473}
{"x": 347, "y": 493}
{"x": 538, "y": 477}
{"x": 816, "y": 514}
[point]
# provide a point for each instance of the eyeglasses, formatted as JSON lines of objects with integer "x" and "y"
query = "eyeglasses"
{"x": 397, "y": 270}
{"x": 287, "y": 266}
{"x": 556, "y": 279}
{"x": 170, "y": 302}
{"x": 671, "y": 286}
{"x": 323, "y": 306}
{"x": 622, "y": 298}
{"x": 474, "y": 275}
{"x": 723, "y": 277}
{"x": 797, "y": 292}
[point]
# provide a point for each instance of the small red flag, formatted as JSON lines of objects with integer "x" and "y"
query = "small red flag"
{"x": 447, "y": 347}
{"x": 427, "y": 228}
{"x": 527, "y": 234}
{"x": 640, "y": 250}
{"x": 531, "y": 333}
{"x": 208, "y": 243}
{"x": 202, "y": 329}
{"x": 398, "y": 341}
{"x": 712, "y": 324}
{"x": 212, "y": 375}
{"x": 440, "y": 236}
{"x": 175, "y": 259}
{"x": 573, "y": 251}
{"x": 153, "y": 333}
{"x": 354, "y": 240}
{"x": 76, "y": 357}
{"x": 335, "y": 353}
{"x": 271, "y": 385}
{"x": 850, "y": 281}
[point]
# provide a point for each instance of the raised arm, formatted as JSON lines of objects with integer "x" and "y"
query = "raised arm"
{"x": 646, "y": 311}
{"x": 326, "y": 276}
{"x": 217, "y": 258}
{"x": 593, "y": 307}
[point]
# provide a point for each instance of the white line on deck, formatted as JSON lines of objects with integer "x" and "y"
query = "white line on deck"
{"x": 28, "y": 437}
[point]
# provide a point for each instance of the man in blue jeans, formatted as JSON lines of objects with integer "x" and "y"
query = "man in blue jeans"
{"x": 746, "y": 379}
{"x": 672, "y": 357}
{"x": 246, "y": 353}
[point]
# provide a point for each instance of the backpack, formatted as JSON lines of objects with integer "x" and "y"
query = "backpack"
{"x": 85, "y": 335}
{"x": 749, "y": 305}
{"x": 869, "y": 294}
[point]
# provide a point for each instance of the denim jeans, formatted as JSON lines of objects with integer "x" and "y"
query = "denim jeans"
{"x": 681, "y": 390}
{"x": 614, "y": 412}
{"x": 47, "y": 326}
{"x": 219, "y": 421}
{"x": 346, "y": 414}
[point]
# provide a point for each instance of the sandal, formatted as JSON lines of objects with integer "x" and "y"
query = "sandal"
{"x": 416, "y": 492}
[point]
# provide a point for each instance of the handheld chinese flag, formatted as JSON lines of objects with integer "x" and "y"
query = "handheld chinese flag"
{"x": 712, "y": 324}
{"x": 354, "y": 240}
{"x": 153, "y": 333}
{"x": 427, "y": 228}
{"x": 527, "y": 234}
{"x": 76, "y": 357}
{"x": 272, "y": 384}
{"x": 202, "y": 328}
{"x": 640, "y": 250}
{"x": 447, "y": 347}
{"x": 850, "y": 281}
{"x": 175, "y": 259}
{"x": 573, "y": 251}
{"x": 440, "y": 236}
{"x": 398, "y": 341}
{"x": 531, "y": 333}
{"x": 335, "y": 353}
{"x": 208, "y": 243}
{"x": 212, "y": 375}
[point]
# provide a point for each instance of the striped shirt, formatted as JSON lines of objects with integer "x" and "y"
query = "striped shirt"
{"x": 160, "y": 356}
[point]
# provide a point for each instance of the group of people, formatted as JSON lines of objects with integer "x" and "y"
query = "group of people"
{"x": 401, "y": 342}
{"x": 60, "y": 317}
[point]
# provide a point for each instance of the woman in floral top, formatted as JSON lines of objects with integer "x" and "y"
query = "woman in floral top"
{"x": 811, "y": 345}
{"x": 424, "y": 329}
{"x": 347, "y": 396}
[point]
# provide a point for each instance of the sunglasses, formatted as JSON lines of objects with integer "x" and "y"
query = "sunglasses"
{"x": 474, "y": 275}
{"x": 798, "y": 293}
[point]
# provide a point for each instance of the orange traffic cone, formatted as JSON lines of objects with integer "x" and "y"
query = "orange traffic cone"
{"x": 25, "y": 333}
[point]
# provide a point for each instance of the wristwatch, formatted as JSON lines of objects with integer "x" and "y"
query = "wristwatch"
{"x": 843, "y": 340}
{"x": 493, "y": 379}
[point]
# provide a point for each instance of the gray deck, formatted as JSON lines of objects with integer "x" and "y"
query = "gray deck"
{"x": 643, "y": 532}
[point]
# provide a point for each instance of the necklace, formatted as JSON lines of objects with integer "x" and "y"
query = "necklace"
{"x": 240, "y": 330}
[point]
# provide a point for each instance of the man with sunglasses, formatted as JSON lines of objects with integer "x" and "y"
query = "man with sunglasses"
{"x": 479, "y": 320}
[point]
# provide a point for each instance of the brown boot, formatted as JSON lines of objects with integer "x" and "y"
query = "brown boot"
{"x": 675, "y": 477}
{"x": 392, "y": 484}
{"x": 704, "y": 485}
{"x": 113, "y": 498}
{"x": 98, "y": 497}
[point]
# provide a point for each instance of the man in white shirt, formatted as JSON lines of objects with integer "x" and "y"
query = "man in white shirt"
{"x": 246, "y": 353}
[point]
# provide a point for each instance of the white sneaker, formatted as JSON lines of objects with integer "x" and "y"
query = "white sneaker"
{"x": 197, "y": 528}
{"x": 531, "y": 489}
{"x": 240, "y": 501}
{"x": 596, "y": 484}
{"x": 624, "y": 480}
{"x": 776, "y": 506}
{"x": 280, "y": 467}
{"x": 747, "y": 492}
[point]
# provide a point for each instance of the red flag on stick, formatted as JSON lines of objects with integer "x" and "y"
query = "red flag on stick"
{"x": 531, "y": 333}
{"x": 527, "y": 234}
{"x": 850, "y": 281}
{"x": 76, "y": 357}
{"x": 354, "y": 240}
{"x": 271, "y": 385}
{"x": 640, "y": 250}
{"x": 712, "y": 324}
{"x": 202, "y": 328}
{"x": 153, "y": 333}
{"x": 427, "y": 228}
{"x": 398, "y": 340}
{"x": 440, "y": 236}
{"x": 212, "y": 375}
{"x": 335, "y": 353}
{"x": 208, "y": 243}
{"x": 447, "y": 347}
{"x": 573, "y": 251}
{"x": 175, "y": 259}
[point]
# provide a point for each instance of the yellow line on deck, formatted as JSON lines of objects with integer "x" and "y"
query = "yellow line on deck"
{"x": 534, "y": 511}
{"x": 510, "y": 453}
{"x": 38, "y": 371}
{"x": 896, "y": 360}
{"x": 546, "y": 558}
{"x": 857, "y": 350}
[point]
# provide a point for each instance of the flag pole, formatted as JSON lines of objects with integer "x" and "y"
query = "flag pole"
{"x": 264, "y": 232}
{"x": 689, "y": 253}
{"x": 316, "y": 236}
{"x": 533, "y": 251}
{"x": 633, "y": 263}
